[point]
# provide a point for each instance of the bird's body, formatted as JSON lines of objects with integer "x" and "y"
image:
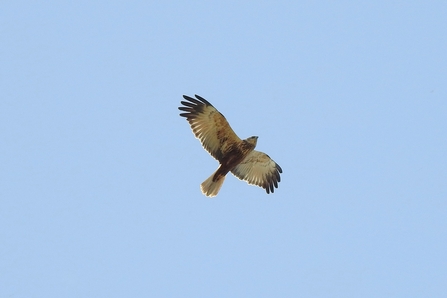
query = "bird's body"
{"x": 234, "y": 155}
{"x": 229, "y": 161}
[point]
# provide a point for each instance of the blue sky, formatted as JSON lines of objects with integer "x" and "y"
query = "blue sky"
{"x": 99, "y": 176}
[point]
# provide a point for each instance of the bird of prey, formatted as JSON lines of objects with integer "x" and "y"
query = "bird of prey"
{"x": 234, "y": 155}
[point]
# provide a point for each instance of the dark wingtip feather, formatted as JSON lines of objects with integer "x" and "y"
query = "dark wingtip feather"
{"x": 203, "y": 100}
{"x": 279, "y": 168}
{"x": 187, "y": 103}
{"x": 193, "y": 100}
{"x": 273, "y": 180}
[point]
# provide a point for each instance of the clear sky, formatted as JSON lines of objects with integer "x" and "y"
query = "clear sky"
{"x": 99, "y": 175}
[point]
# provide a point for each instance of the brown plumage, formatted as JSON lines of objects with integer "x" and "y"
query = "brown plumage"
{"x": 234, "y": 155}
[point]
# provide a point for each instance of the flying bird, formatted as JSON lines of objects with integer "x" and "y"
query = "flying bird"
{"x": 234, "y": 155}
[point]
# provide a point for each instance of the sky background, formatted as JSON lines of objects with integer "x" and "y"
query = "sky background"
{"x": 99, "y": 176}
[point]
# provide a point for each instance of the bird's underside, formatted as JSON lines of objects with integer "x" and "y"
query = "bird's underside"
{"x": 234, "y": 155}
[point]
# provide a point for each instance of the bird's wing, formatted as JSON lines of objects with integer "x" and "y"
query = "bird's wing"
{"x": 209, "y": 126}
{"x": 259, "y": 169}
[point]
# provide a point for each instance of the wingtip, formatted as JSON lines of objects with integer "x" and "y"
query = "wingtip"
{"x": 279, "y": 168}
{"x": 197, "y": 100}
{"x": 203, "y": 100}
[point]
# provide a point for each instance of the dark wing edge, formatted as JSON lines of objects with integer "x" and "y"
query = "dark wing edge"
{"x": 272, "y": 180}
{"x": 193, "y": 106}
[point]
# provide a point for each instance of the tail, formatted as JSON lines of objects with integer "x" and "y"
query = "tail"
{"x": 209, "y": 187}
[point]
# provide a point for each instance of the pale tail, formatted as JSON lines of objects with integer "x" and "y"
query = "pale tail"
{"x": 210, "y": 188}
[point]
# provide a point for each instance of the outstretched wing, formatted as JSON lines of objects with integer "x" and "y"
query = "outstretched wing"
{"x": 209, "y": 126}
{"x": 259, "y": 169}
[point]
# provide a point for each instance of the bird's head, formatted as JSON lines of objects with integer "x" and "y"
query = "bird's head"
{"x": 252, "y": 140}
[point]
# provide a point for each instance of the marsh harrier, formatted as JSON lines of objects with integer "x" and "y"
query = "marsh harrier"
{"x": 234, "y": 155}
